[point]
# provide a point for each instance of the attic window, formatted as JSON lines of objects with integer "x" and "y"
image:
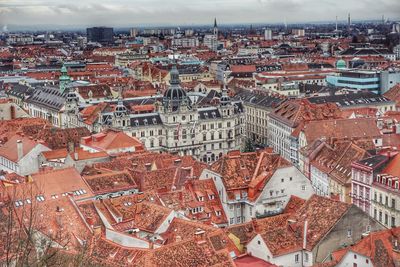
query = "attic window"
{"x": 154, "y": 121}
{"x": 145, "y": 122}
{"x": 136, "y": 122}
{"x": 40, "y": 198}
{"x": 19, "y": 203}
{"x": 213, "y": 114}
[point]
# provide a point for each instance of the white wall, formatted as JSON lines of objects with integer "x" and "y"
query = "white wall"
{"x": 126, "y": 240}
{"x": 288, "y": 179}
{"x": 348, "y": 260}
{"x": 165, "y": 224}
{"x": 29, "y": 163}
{"x": 259, "y": 249}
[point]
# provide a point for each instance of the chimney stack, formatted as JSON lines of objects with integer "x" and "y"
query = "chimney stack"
{"x": 20, "y": 149}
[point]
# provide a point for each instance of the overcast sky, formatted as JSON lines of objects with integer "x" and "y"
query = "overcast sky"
{"x": 187, "y": 12}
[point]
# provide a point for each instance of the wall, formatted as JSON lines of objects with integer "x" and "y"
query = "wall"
{"x": 350, "y": 258}
{"x": 356, "y": 221}
{"x": 29, "y": 163}
{"x": 284, "y": 183}
{"x": 126, "y": 240}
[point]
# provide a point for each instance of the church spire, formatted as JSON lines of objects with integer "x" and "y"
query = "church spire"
{"x": 215, "y": 31}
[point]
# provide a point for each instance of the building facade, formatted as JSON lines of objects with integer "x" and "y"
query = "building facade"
{"x": 179, "y": 126}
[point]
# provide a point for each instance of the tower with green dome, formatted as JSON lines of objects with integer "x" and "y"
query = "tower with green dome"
{"x": 340, "y": 64}
{"x": 64, "y": 79}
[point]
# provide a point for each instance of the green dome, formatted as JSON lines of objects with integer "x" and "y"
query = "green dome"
{"x": 340, "y": 64}
{"x": 64, "y": 69}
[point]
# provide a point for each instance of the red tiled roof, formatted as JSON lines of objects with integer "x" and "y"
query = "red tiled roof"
{"x": 9, "y": 149}
{"x": 111, "y": 140}
{"x": 62, "y": 181}
{"x": 393, "y": 168}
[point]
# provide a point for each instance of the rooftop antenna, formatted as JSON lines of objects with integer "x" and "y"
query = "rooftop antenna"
{"x": 285, "y": 23}
{"x": 336, "y": 24}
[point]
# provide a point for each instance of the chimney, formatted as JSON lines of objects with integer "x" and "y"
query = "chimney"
{"x": 148, "y": 166}
{"x": 71, "y": 147}
{"x": 305, "y": 234}
{"x": 20, "y": 149}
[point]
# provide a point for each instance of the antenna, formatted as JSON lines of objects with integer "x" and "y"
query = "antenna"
{"x": 336, "y": 24}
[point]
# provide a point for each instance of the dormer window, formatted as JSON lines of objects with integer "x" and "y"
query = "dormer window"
{"x": 40, "y": 198}
{"x": 145, "y": 122}
{"x": 201, "y": 198}
{"x": 136, "y": 122}
{"x": 19, "y": 203}
{"x": 154, "y": 121}
{"x": 211, "y": 196}
{"x": 218, "y": 213}
{"x": 390, "y": 183}
{"x": 213, "y": 114}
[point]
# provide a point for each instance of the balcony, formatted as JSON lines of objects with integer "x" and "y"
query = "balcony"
{"x": 268, "y": 213}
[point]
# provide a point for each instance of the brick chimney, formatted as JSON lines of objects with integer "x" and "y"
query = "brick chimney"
{"x": 20, "y": 149}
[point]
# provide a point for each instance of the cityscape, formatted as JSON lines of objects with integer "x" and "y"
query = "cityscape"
{"x": 220, "y": 133}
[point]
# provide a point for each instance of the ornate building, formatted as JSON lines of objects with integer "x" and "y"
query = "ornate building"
{"x": 179, "y": 126}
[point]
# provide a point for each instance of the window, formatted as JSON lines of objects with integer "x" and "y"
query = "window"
{"x": 282, "y": 180}
{"x": 393, "y": 203}
{"x": 296, "y": 258}
{"x": 291, "y": 178}
{"x": 354, "y": 264}
{"x": 348, "y": 233}
{"x": 231, "y": 220}
{"x": 303, "y": 187}
{"x": 306, "y": 257}
{"x": 355, "y": 256}
{"x": 386, "y": 219}
{"x": 259, "y": 242}
{"x": 393, "y": 222}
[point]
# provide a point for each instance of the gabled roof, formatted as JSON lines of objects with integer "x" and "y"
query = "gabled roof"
{"x": 393, "y": 168}
{"x": 341, "y": 128}
{"x": 9, "y": 149}
{"x": 248, "y": 170}
{"x": 60, "y": 183}
{"x": 111, "y": 140}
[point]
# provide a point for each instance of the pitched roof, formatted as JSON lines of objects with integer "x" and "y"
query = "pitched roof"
{"x": 62, "y": 182}
{"x": 248, "y": 170}
{"x": 393, "y": 167}
{"x": 9, "y": 149}
{"x": 111, "y": 140}
{"x": 293, "y": 112}
{"x": 341, "y": 128}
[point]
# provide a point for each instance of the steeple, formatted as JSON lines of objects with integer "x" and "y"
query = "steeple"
{"x": 64, "y": 79}
{"x": 215, "y": 30}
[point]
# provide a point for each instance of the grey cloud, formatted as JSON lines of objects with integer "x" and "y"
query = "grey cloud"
{"x": 179, "y": 12}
